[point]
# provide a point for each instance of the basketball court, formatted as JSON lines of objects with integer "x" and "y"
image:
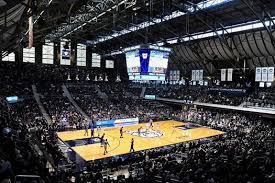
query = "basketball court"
{"x": 163, "y": 133}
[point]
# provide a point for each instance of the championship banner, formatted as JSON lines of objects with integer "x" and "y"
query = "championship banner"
{"x": 193, "y": 75}
{"x": 175, "y": 76}
{"x": 201, "y": 75}
{"x": 223, "y": 74}
{"x": 197, "y": 75}
{"x": 171, "y": 75}
{"x": 178, "y": 75}
{"x": 264, "y": 73}
{"x": 270, "y": 74}
{"x": 30, "y": 32}
{"x": 65, "y": 53}
{"x": 258, "y": 74}
{"x": 229, "y": 74}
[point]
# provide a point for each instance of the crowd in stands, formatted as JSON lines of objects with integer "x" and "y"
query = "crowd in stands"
{"x": 196, "y": 93}
{"x": 120, "y": 102}
{"x": 27, "y": 142}
{"x": 188, "y": 94}
{"x": 264, "y": 98}
{"x": 221, "y": 99}
{"x": 60, "y": 109}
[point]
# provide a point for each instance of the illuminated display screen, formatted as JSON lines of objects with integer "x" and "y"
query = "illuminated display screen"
{"x": 150, "y": 97}
{"x": 146, "y": 64}
{"x": 12, "y": 99}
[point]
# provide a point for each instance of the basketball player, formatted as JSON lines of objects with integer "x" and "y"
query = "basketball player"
{"x": 174, "y": 128}
{"x": 102, "y": 139}
{"x": 121, "y": 132}
{"x": 139, "y": 131}
{"x": 98, "y": 129}
{"x": 86, "y": 129}
{"x": 151, "y": 123}
{"x": 132, "y": 145}
{"x": 106, "y": 143}
{"x": 92, "y": 131}
{"x": 158, "y": 127}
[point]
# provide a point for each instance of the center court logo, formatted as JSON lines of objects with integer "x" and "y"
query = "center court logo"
{"x": 145, "y": 133}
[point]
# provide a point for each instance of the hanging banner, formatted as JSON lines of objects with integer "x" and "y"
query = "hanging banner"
{"x": 223, "y": 74}
{"x": 193, "y": 75}
{"x": 175, "y": 75}
{"x": 65, "y": 53}
{"x": 264, "y": 73}
{"x": 178, "y": 75}
{"x": 197, "y": 75}
{"x": 229, "y": 74}
{"x": 270, "y": 74}
{"x": 171, "y": 75}
{"x": 200, "y": 75}
{"x": 258, "y": 74}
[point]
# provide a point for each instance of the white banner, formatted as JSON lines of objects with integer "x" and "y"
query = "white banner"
{"x": 171, "y": 75}
{"x": 258, "y": 74}
{"x": 110, "y": 64}
{"x": 223, "y": 74}
{"x": 178, "y": 75}
{"x": 264, "y": 73}
{"x": 229, "y": 74}
{"x": 270, "y": 74}
{"x": 197, "y": 75}
{"x": 175, "y": 76}
{"x": 200, "y": 75}
{"x": 193, "y": 75}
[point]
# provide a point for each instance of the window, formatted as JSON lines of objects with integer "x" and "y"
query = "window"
{"x": 9, "y": 58}
{"x": 48, "y": 53}
{"x": 81, "y": 55}
{"x": 96, "y": 60}
{"x": 29, "y": 55}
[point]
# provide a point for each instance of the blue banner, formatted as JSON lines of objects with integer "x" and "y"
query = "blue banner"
{"x": 144, "y": 60}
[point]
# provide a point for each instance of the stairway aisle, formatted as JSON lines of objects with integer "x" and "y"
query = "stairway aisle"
{"x": 69, "y": 96}
{"x": 40, "y": 105}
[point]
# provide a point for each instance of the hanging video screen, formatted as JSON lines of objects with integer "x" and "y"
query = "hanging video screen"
{"x": 147, "y": 64}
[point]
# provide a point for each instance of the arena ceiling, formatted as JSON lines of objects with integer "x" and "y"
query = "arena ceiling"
{"x": 114, "y": 17}
{"x": 11, "y": 13}
{"x": 111, "y": 25}
{"x": 95, "y": 19}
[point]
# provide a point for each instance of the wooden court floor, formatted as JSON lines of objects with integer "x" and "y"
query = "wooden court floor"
{"x": 119, "y": 146}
